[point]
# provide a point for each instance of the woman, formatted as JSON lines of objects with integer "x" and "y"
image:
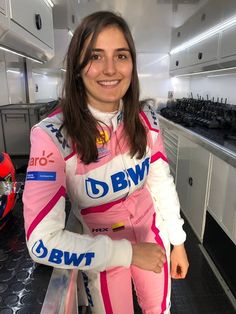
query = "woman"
{"x": 105, "y": 151}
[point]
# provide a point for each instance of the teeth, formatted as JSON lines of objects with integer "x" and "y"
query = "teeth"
{"x": 108, "y": 83}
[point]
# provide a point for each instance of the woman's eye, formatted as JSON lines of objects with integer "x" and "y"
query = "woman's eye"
{"x": 122, "y": 56}
{"x": 95, "y": 57}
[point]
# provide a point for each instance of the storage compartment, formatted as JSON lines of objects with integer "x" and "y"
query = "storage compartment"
{"x": 192, "y": 183}
{"x": 17, "y": 120}
{"x": 35, "y": 17}
{"x": 171, "y": 147}
{"x": 221, "y": 250}
{"x": 222, "y": 204}
{"x": 27, "y": 28}
{"x": 205, "y": 51}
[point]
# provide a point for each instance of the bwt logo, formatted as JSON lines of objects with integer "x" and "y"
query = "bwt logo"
{"x": 118, "y": 181}
{"x": 56, "y": 256}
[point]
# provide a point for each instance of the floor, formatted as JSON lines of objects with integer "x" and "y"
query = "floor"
{"x": 23, "y": 283}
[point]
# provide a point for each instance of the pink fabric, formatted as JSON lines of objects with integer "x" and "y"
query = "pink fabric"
{"x": 157, "y": 156}
{"x": 159, "y": 241}
{"x": 101, "y": 208}
{"x": 116, "y": 146}
{"x": 139, "y": 226}
{"x": 105, "y": 293}
{"x": 60, "y": 193}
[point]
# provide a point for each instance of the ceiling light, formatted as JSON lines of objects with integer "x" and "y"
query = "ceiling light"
{"x": 209, "y": 33}
{"x": 13, "y": 71}
{"x": 205, "y": 72}
{"x": 20, "y": 54}
{"x": 50, "y": 3}
{"x": 70, "y": 33}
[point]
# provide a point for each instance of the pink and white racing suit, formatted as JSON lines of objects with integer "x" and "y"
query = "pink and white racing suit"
{"x": 119, "y": 200}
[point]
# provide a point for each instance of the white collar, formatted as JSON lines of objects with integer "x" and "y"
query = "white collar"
{"x": 109, "y": 118}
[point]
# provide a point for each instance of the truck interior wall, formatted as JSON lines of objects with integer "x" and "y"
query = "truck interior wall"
{"x": 222, "y": 86}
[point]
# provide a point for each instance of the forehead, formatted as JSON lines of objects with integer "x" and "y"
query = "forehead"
{"x": 110, "y": 37}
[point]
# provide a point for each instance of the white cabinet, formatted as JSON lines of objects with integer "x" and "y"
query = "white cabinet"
{"x": 170, "y": 140}
{"x": 192, "y": 183}
{"x": 228, "y": 43}
{"x": 222, "y": 196}
{"x": 179, "y": 60}
{"x": 27, "y": 28}
{"x": 205, "y": 51}
{"x": 218, "y": 51}
{"x": 35, "y": 17}
{"x": 72, "y": 14}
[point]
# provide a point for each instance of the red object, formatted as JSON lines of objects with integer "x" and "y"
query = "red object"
{"x": 7, "y": 173}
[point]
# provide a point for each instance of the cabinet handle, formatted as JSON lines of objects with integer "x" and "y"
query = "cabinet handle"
{"x": 199, "y": 55}
{"x": 203, "y": 17}
{"x": 38, "y": 21}
{"x": 177, "y": 63}
{"x": 190, "y": 181}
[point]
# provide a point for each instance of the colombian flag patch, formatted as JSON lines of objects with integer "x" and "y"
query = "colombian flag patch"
{"x": 118, "y": 226}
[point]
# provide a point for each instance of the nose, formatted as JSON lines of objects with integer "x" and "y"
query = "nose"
{"x": 109, "y": 66}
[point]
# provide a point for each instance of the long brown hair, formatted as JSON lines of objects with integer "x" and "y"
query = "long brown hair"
{"x": 79, "y": 123}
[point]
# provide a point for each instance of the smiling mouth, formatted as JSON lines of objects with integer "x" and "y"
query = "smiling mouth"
{"x": 109, "y": 83}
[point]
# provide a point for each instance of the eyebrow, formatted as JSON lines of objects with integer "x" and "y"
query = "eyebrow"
{"x": 118, "y": 49}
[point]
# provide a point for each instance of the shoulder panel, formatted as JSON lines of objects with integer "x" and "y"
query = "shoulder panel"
{"x": 150, "y": 118}
{"x": 53, "y": 127}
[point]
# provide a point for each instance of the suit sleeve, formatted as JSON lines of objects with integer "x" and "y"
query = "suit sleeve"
{"x": 44, "y": 213}
{"x": 162, "y": 188}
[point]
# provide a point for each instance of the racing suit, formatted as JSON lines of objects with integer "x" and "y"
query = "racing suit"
{"x": 119, "y": 200}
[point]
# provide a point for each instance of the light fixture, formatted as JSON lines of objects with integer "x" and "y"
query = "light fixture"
{"x": 144, "y": 75}
{"x": 63, "y": 70}
{"x": 13, "y": 71}
{"x": 205, "y": 72}
{"x": 50, "y": 3}
{"x": 209, "y": 33}
{"x": 20, "y": 54}
{"x": 70, "y": 33}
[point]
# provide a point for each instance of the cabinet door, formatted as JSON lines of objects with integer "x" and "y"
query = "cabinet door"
{"x": 222, "y": 197}
{"x": 72, "y": 14}
{"x": 16, "y": 127}
{"x": 179, "y": 60}
{"x": 228, "y": 43}
{"x": 192, "y": 183}
{"x": 205, "y": 51}
{"x": 35, "y": 16}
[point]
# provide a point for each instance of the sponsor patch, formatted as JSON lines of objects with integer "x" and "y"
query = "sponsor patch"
{"x": 118, "y": 181}
{"x": 58, "y": 257}
{"x": 118, "y": 226}
{"x": 43, "y": 160}
{"x": 41, "y": 176}
{"x": 104, "y": 138}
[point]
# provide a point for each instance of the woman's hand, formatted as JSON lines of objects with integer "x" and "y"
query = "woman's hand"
{"x": 178, "y": 262}
{"x": 148, "y": 256}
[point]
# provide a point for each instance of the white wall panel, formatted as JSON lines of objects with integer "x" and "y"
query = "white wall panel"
{"x": 47, "y": 86}
{"x": 153, "y": 70}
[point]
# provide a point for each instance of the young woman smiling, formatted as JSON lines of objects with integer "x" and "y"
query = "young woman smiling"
{"x": 107, "y": 155}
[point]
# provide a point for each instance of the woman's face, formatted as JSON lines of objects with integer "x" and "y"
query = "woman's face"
{"x": 108, "y": 75}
